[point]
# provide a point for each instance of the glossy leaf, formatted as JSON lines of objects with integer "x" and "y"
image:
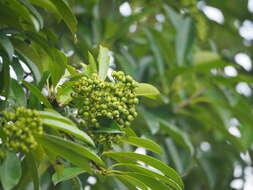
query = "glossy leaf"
{"x": 146, "y": 90}
{"x": 5, "y": 78}
{"x": 10, "y": 171}
{"x": 148, "y": 172}
{"x": 17, "y": 92}
{"x": 92, "y": 67}
{"x": 143, "y": 142}
{"x": 34, "y": 69}
{"x": 67, "y": 173}
{"x": 5, "y": 43}
{"x": 34, "y": 90}
{"x": 127, "y": 156}
{"x": 66, "y": 13}
{"x": 129, "y": 179}
{"x": 75, "y": 153}
{"x": 103, "y": 62}
{"x": 61, "y": 125}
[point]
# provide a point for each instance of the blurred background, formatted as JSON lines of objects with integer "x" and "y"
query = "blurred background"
{"x": 197, "y": 53}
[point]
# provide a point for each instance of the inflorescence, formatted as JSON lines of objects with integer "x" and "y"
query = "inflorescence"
{"x": 19, "y": 128}
{"x": 97, "y": 99}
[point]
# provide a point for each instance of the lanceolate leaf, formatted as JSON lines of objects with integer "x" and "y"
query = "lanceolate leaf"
{"x": 92, "y": 67}
{"x": 24, "y": 15}
{"x": 37, "y": 93}
{"x": 35, "y": 13}
{"x": 34, "y": 171}
{"x": 5, "y": 77}
{"x": 54, "y": 115}
{"x": 18, "y": 69}
{"x": 66, "y": 13}
{"x": 57, "y": 59}
{"x": 179, "y": 136}
{"x": 10, "y": 171}
{"x": 148, "y": 172}
{"x": 129, "y": 179}
{"x": 103, "y": 62}
{"x": 127, "y": 156}
{"x": 152, "y": 183}
{"x": 67, "y": 173}
{"x": 35, "y": 71}
{"x": 68, "y": 128}
{"x": 144, "y": 89}
{"x": 75, "y": 153}
{"x": 184, "y": 36}
{"x": 143, "y": 142}
{"x": 158, "y": 58}
{"x": 5, "y": 43}
{"x": 17, "y": 92}
{"x": 46, "y": 4}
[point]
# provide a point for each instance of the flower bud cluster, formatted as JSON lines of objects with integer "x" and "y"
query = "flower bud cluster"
{"x": 97, "y": 99}
{"x": 19, "y": 128}
{"x": 106, "y": 139}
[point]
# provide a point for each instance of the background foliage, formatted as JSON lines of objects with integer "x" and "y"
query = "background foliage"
{"x": 203, "y": 117}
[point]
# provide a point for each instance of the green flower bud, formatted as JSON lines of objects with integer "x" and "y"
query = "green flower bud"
{"x": 19, "y": 128}
{"x": 115, "y": 100}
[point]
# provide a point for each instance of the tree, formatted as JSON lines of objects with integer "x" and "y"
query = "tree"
{"x": 64, "y": 122}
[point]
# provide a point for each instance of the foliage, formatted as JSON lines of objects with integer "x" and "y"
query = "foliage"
{"x": 58, "y": 55}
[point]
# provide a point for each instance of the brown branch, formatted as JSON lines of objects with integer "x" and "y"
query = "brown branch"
{"x": 189, "y": 100}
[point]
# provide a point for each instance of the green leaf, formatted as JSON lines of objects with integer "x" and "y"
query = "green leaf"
{"x": 175, "y": 18}
{"x": 52, "y": 114}
{"x": 113, "y": 128}
{"x": 148, "y": 172}
{"x": 175, "y": 156}
{"x": 34, "y": 90}
{"x": 35, "y": 13}
{"x": 26, "y": 176}
{"x": 18, "y": 69}
{"x": 57, "y": 59}
{"x": 64, "y": 94}
{"x": 151, "y": 120}
{"x": 149, "y": 181}
{"x": 5, "y": 78}
{"x": 6, "y": 12}
{"x": 5, "y": 43}
{"x": 155, "y": 49}
{"x": 129, "y": 132}
{"x": 67, "y": 173}
{"x": 43, "y": 80}
{"x": 147, "y": 90}
{"x": 10, "y": 171}
{"x": 34, "y": 69}
{"x": 28, "y": 20}
{"x": 184, "y": 35}
{"x": 66, "y": 13}
{"x": 69, "y": 150}
{"x": 143, "y": 142}
{"x": 18, "y": 93}
{"x": 34, "y": 171}
{"x": 46, "y": 4}
{"x": 202, "y": 57}
{"x": 127, "y": 156}
{"x": 68, "y": 128}
{"x": 58, "y": 66}
{"x": 129, "y": 179}
{"x": 103, "y": 62}
{"x": 179, "y": 136}
{"x": 184, "y": 41}
{"x": 92, "y": 67}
